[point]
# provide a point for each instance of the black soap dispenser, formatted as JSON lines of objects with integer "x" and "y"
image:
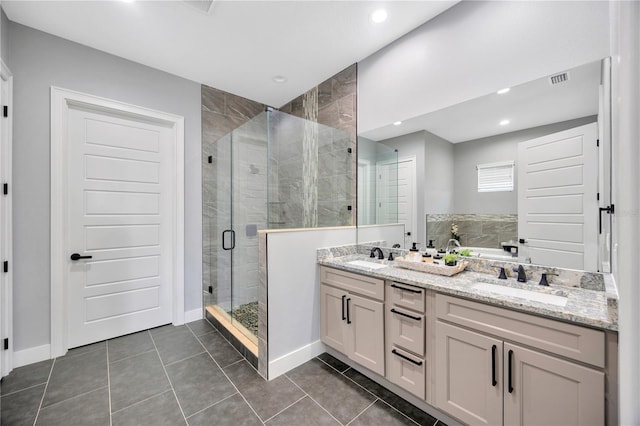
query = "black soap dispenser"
{"x": 430, "y": 244}
{"x": 413, "y": 252}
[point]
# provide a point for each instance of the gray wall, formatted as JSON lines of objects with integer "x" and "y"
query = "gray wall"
{"x": 439, "y": 178}
{"x": 4, "y": 36}
{"x": 504, "y": 147}
{"x": 39, "y": 61}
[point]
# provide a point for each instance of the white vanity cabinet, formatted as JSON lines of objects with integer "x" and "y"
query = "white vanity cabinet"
{"x": 488, "y": 374}
{"x": 352, "y": 316}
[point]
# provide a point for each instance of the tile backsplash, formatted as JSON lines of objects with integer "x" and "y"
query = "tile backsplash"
{"x": 474, "y": 230}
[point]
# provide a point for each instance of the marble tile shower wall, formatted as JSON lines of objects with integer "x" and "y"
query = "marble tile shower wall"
{"x": 221, "y": 113}
{"x": 475, "y": 230}
{"x": 334, "y": 103}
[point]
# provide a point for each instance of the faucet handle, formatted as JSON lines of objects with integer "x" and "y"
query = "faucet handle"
{"x": 543, "y": 278}
{"x": 503, "y": 275}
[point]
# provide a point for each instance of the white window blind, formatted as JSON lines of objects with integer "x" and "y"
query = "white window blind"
{"x": 495, "y": 177}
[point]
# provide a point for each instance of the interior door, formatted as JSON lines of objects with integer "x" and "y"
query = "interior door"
{"x": 407, "y": 199}
{"x": 557, "y": 199}
{"x": 120, "y": 211}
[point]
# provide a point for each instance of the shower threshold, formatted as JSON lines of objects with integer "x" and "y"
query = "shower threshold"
{"x": 236, "y": 329}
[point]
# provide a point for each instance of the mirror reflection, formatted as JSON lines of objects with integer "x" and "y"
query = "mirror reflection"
{"x": 514, "y": 175}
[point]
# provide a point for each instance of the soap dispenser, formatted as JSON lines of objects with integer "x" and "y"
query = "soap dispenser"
{"x": 414, "y": 254}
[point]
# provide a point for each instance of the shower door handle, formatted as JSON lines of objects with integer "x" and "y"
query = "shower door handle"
{"x": 233, "y": 239}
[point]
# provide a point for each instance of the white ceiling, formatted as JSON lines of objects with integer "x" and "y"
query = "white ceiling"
{"x": 239, "y": 46}
{"x": 532, "y": 104}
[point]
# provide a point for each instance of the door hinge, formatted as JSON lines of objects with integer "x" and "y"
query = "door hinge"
{"x": 5, "y": 266}
{"x": 598, "y": 196}
{"x": 6, "y": 343}
{"x": 210, "y": 159}
{"x": 5, "y": 188}
{"x": 597, "y": 142}
{"x": 210, "y": 289}
{"x": 5, "y": 110}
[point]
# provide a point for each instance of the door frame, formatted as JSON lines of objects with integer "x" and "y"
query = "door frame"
{"x": 6, "y": 227}
{"x": 61, "y": 101}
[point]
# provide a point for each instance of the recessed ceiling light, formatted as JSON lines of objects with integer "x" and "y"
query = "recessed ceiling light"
{"x": 503, "y": 91}
{"x": 504, "y": 122}
{"x": 280, "y": 79}
{"x": 379, "y": 15}
{"x": 397, "y": 123}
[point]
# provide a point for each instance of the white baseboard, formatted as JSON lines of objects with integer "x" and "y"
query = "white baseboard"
{"x": 31, "y": 355}
{"x": 287, "y": 362}
{"x": 193, "y": 315}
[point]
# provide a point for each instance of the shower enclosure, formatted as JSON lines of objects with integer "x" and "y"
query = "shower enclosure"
{"x": 275, "y": 171}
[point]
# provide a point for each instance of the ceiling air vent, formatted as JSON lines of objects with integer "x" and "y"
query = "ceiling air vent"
{"x": 559, "y": 78}
{"x": 204, "y": 6}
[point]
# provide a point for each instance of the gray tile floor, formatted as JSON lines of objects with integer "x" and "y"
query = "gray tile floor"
{"x": 192, "y": 375}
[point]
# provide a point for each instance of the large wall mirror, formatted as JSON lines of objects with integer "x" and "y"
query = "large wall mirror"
{"x": 548, "y": 138}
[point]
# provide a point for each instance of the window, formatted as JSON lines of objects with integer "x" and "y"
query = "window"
{"x": 495, "y": 177}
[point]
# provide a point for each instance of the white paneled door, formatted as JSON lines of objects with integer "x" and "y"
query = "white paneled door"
{"x": 407, "y": 199}
{"x": 120, "y": 224}
{"x": 557, "y": 198}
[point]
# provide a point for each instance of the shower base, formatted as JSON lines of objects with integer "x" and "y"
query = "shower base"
{"x": 236, "y": 333}
{"x": 247, "y": 315}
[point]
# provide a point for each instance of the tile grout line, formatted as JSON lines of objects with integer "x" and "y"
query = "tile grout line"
{"x": 231, "y": 381}
{"x": 287, "y": 407}
{"x": 132, "y": 356}
{"x": 212, "y": 405}
{"x": 360, "y": 413}
{"x": 75, "y": 397}
{"x": 45, "y": 391}
{"x": 142, "y": 401}
{"x": 168, "y": 379}
{"x": 183, "y": 359}
{"x": 395, "y": 409}
{"x": 24, "y": 389}
{"x": 312, "y": 399}
{"x": 109, "y": 384}
{"x": 376, "y": 396}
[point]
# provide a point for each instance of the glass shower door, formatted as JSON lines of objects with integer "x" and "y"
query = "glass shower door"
{"x": 218, "y": 202}
{"x": 248, "y": 190}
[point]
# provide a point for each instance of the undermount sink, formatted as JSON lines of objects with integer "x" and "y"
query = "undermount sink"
{"x": 534, "y": 296}
{"x": 365, "y": 264}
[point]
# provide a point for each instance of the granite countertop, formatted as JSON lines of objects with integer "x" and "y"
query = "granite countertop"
{"x": 584, "y": 307}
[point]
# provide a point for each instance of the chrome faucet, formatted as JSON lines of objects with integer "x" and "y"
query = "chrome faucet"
{"x": 455, "y": 242}
{"x": 380, "y": 253}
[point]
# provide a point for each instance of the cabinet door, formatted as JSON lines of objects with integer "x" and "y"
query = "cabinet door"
{"x": 468, "y": 375}
{"x": 365, "y": 319}
{"x": 332, "y": 311}
{"x": 545, "y": 390}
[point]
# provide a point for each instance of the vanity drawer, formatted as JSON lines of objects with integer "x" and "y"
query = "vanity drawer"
{"x": 406, "y": 370}
{"x": 568, "y": 340}
{"x": 356, "y": 283}
{"x": 406, "y": 296}
{"x": 406, "y": 329}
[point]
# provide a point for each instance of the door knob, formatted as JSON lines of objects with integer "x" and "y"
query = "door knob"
{"x": 76, "y": 256}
